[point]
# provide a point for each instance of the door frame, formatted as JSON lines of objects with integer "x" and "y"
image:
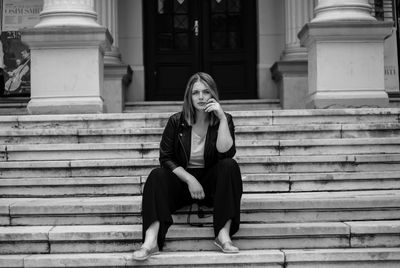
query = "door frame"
{"x": 251, "y": 53}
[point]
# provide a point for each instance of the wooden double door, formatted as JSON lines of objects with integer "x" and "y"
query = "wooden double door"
{"x": 186, "y": 36}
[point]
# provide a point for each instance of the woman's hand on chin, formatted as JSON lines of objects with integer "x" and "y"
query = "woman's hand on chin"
{"x": 213, "y": 106}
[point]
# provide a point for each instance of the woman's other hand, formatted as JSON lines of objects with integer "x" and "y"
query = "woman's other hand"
{"x": 195, "y": 188}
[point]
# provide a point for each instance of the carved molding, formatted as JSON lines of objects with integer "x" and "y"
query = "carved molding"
{"x": 343, "y": 10}
{"x": 68, "y": 5}
{"x": 68, "y": 13}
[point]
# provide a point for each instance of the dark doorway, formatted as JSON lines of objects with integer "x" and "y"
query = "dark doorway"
{"x": 186, "y": 36}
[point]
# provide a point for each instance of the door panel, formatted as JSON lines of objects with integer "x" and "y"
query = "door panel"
{"x": 170, "y": 51}
{"x": 230, "y": 47}
{"x": 186, "y": 36}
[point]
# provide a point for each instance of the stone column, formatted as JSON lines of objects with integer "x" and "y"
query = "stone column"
{"x": 345, "y": 55}
{"x": 297, "y": 14}
{"x": 67, "y": 47}
{"x": 114, "y": 69}
{"x": 107, "y": 16}
{"x": 290, "y": 73}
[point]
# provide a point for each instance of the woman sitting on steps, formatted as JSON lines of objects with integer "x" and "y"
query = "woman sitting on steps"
{"x": 196, "y": 153}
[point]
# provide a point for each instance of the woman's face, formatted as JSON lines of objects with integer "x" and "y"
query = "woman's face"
{"x": 200, "y": 95}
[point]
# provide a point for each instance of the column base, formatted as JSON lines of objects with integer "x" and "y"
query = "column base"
{"x": 59, "y": 105}
{"x": 340, "y": 75}
{"x": 112, "y": 56}
{"x": 291, "y": 78}
{"x": 294, "y": 53}
{"x": 356, "y": 10}
{"x": 359, "y": 99}
{"x": 114, "y": 90}
{"x": 67, "y": 69}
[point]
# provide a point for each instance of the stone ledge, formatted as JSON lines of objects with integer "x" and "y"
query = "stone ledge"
{"x": 375, "y": 257}
{"x": 376, "y": 227}
{"x": 341, "y": 255}
{"x": 165, "y": 115}
{"x": 66, "y": 37}
{"x": 345, "y": 30}
{"x": 70, "y": 181}
{"x": 293, "y": 67}
{"x": 134, "y": 232}
{"x": 242, "y": 160}
{"x": 261, "y": 258}
{"x": 129, "y": 205}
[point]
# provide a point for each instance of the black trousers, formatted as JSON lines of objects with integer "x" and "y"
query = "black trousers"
{"x": 164, "y": 193}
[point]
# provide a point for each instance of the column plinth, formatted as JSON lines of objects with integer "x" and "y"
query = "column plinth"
{"x": 345, "y": 56}
{"x": 346, "y": 64}
{"x": 67, "y": 49}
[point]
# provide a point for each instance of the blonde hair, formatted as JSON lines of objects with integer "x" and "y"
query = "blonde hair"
{"x": 188, "y": 110}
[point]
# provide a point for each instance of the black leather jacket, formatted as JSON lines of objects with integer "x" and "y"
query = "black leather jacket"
{"x": 176, "y": 142}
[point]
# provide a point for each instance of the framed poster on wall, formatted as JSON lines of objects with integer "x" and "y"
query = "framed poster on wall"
{"x": 15, "y": 58}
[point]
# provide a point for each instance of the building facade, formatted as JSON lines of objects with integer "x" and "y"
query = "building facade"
{"x": 97, "y": 55}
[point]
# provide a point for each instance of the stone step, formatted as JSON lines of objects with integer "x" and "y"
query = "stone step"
{"x": 139, "y": 135}
{"x": 157, "y": 106}
{"x": 394, "y": 101}
{"x": 245, "y": 118}
{"x": 252, "y": 183}
{"x": 73, "y": 186}
{"x": 13, "y": 110}
{"x": 341, "y": 258}
{"x": 260, "y": 208}
{"x": 246, "y": 258}
{"x": 112, "y": 121}
{"x": 290, "y": 258}
{"x": 176, "y": 106}
{"x": 339, "y": 146}
{"x": 121, "y": 238}
{"x": 13, "y": 106}
{"x": 337, "y": 181}
{"x": 319, "y": 163}
{"x": 248, "y": 165}
{"x": 74, "y": 151}
{"x": 77, "y": 151}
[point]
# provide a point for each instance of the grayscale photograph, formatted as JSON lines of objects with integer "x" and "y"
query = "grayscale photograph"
{"x": 199, "y": 133}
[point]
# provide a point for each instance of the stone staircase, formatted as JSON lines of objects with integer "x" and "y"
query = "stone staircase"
{"x": 322, "y": 189}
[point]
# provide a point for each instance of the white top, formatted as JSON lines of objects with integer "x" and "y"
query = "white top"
{"x": 1, "y": 56}
{"x": 197, "y": 151}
